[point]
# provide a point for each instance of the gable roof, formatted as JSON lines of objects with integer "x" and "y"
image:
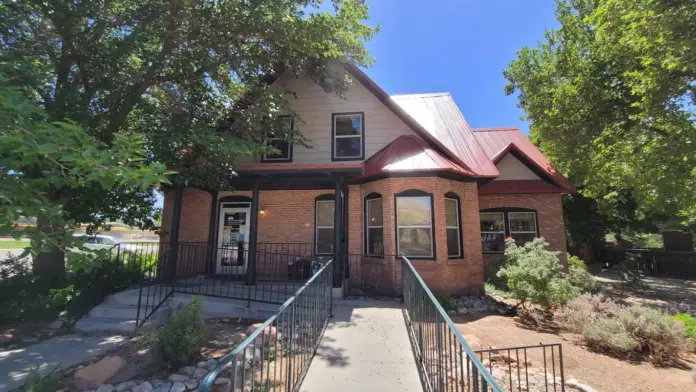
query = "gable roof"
{"x": 437, "y": 119}
{"x": 498, "y": 142}
{"x": 410, "y": 154}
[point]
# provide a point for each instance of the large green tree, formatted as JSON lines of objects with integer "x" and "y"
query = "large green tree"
{"x": 190, "y": 76}
{"x": 611, "y": 98}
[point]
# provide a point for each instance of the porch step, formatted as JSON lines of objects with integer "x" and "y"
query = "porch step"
{"x": 104, "y": 326}
{"x": 127, "y": 312}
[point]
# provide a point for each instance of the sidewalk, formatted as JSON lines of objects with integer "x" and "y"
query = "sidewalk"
{"x": 365, "y": 348}
{"x": 66, "y": 351}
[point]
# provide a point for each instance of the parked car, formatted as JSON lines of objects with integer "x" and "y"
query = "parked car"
{"x": 100, "y": 241}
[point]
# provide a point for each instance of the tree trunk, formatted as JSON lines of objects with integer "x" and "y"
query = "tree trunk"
{"x": 49, "y": 265}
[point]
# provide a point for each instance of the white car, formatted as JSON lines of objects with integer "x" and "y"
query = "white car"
{"x": 99, "y": 241}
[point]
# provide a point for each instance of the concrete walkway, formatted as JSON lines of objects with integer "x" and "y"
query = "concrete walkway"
{"x": 60, "y": 351}
{"x": 365, "y": 348}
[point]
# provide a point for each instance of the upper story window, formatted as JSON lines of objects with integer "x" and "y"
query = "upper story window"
{"x": 496, "y": 224}
{"x": 414, "y": 224}
{"x": 348, "y": 136}
{"x": 374, "y": 233}
{"x": 283, "y": 146}
{"x": 453, "y": 225}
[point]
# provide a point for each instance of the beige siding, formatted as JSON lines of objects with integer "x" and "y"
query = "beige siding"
{"x": 315, "y": 108}
{"x": 511, "y": 168}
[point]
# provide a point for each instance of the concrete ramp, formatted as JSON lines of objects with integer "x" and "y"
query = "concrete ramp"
{"x": 365, "y": 348}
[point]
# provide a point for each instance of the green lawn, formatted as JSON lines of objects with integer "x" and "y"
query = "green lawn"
{"x": 13, "y": 244}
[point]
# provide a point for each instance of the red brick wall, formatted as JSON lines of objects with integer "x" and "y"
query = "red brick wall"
{"x": 549, "y": 215}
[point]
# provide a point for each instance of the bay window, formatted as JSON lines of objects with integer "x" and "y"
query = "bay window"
{"x": 453, "y": 225}
{"x": 324, "y": 225}
{"x": 374, "y": 232}
{"x": 414, "y": 224}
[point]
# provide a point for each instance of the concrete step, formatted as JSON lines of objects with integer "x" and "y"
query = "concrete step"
{"x": 103, "y": 326}
{"x": 131, "y": 297}
{"x": 223, "y": 307}
{"x": 128, "y": 312}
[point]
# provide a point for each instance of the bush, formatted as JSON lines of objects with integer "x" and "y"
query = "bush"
{"x": 581, "y": 278}
{"x": 180, "y": 341}
{"x": 36, "y": 383}
{"x": 584, "y": 309}
{"x": 575, "y": 261}
{"x": 690, "y": 325}
{"x": 534, "y": 274}
{"x": 446, "y": 302}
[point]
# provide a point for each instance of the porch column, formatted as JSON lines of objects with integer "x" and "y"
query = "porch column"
{"x": 253, "y": 230}
{"x": 337, "y": 253}
{"x": 174, "y": 235}
{"x": 210, "y": 253}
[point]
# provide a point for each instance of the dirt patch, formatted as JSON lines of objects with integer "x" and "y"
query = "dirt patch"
{"x": 604, "y": 373}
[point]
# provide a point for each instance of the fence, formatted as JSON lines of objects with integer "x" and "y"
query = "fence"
{"x": 446, "y": 361}
{"x": 277, "y": 355}
{"x": 512, "y": 367}
{"x": 658, "y": 262}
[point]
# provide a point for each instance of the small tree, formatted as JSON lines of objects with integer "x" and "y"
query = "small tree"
{"x": 534, "y": 274}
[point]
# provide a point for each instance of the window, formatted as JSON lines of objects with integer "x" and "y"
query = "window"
{"x": 493, "y": 231}
{"x": 284, "y": 146}
{"x": 496, "y": 224}
{"x": 348, "y": 141}
{"x": 452, "y": 223}
{"x": 324, "y": 225}
{"x": 374, "y": 234}
{"x": 414, "y": 224}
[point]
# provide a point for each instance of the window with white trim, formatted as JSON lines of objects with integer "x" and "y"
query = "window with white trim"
{"x": 497, "y": 224}
{"x": 374, "y": 232}
{"x": 493, "y": 231}
{"x": 347, "y": 136}
{"x": 283, "y": 146}
{"x": 454, "y": 235}
{"x": 324, "y": 227}
{"x": 414, "y": 225}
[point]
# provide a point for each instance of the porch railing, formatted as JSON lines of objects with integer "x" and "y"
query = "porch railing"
{"x": 446, "y": 361}
{"x": 277, "y": 355}
{"x": 512, "y": 366}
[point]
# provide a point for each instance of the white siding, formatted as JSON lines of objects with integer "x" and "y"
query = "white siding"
{"x": 511, "y": 168}
{"x": 315, "y": 108}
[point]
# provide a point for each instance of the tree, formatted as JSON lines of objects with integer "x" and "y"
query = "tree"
{"x": 610, "y": 96}
{"x": 192, "y": 76}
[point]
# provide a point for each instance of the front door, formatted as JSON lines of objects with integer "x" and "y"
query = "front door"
{"x": 232, "y": 247}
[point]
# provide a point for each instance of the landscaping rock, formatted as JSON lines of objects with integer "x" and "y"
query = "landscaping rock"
{"x": 200, "y": 373}
{"x": 573, "y": 383}
{"x": 211, "y": 364}
{"x": 202, "y": 364}
{"x": 475, "y": 304}
{"x": 222, "y": 381}
{"x": 191, "y": 384}
{"x": 105, "y": 388}
{"x": 187, "y": 370}
{"x": 163, "y": 388}
{"x": 6, "y": 338}
{"x": 144, "y": 387}
{"x": 156, "y": 383}
{"x": 58, "y": 324}
{"x": 178, "y": 378}
{"x": 269, "y": 333}
{"x": 178, "y": 387}
{"x": 126, "y": 386}
{"x": 252, "y": 357}
{"x": 96, "y": 374}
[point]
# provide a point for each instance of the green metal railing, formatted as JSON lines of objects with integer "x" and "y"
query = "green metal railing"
{"x": 446, "y": 360}
{"x": 276, "y": 356}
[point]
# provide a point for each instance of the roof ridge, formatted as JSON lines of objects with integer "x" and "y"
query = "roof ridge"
{"x": 493, "y": 129}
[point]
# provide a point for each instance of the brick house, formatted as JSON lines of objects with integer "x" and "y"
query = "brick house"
{"x": 386, "y": 175}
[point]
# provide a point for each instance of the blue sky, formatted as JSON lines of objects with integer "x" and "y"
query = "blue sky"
{"x": 459, "y": 46}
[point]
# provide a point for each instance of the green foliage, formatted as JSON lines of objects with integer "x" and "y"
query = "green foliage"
{"x": 37, "y": 383}
{"x": 180, "y": 341}
{"x": 610, "y": 96}
{"x": 446, "y": 302}
{"x": 534, "y": 274}
{"x": 580, "y": 277}
{"x": 630, "y": 332}
{"x": 631, "y": 274}
{"x": 494, "y": 289}
{"x": 690, "y": 325}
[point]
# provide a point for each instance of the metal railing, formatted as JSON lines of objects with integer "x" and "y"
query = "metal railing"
{"x": 446, "y": 361}
{"x": 154, "y": 290}
{"x": 277, "y": 355}
{"x": 512, "y": 367}
{"x": 373, "y": 275}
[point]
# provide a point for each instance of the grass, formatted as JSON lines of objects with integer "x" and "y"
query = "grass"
{"x": 13, "y": 244}
{"x": 491, "y": 289}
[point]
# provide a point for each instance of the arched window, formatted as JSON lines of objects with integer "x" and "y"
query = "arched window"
{"x": 414, "y": 224}
{"x": 453, "y": 223}
{"x": 498, "y": 223}
{"x": 374, "y": 232}
{"x": 324, "y": 224}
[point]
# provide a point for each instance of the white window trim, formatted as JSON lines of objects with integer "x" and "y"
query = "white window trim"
{"x": 369, "y": 226}
{"x": 459, "y": 231}
{"x": 281, "y": 159}
{"x": 360, "y": 136}
{"x": 510, "y": 217}
{"x": 429, "y": 227}
{"x": 317, "y": 227}
{"x": 494, "y": 232}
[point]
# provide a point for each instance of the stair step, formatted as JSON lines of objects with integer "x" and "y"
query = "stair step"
{"x": 126, "y": 312}
{"x": 100, "y": 326}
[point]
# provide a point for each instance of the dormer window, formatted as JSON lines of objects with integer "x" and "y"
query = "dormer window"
{"x": 348, "y": 136}
{"x": 283, "y": 146}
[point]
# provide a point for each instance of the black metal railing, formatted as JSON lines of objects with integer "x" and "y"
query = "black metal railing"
{"x": 526, "y": 368}
{"x": 156, "y": 286}
{"x": 277, "y": 355}
{"x": 373, "y": 275}
{"x": 445, "y": 359}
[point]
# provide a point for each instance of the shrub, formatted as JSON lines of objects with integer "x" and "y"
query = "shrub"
{"x": 581, "y": 278}
{"x": 584, "y": 309}
{"x": 36, "y": 383}
{"x": 446, "y": 302}
{"x": 180, "y": 341}
{"x": 609, "y": 335}
{"x": 690, "y": 325}
{"x": 575, "y": 261}
{"x": 534, "y": 274}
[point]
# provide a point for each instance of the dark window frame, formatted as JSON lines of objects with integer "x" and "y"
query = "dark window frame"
{"x": 506, "y": 220}
{"x": 333, "y": 137}
{"x": 366, "y": 244}
{"x": 265, "y": 159}
{"x": 325, "y": 197}
{"x": 455, "y": 197}
{"x": 415, "y": 193}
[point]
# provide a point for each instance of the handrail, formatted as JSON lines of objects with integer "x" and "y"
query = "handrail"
{"x": 146, "y": 282}
{"x": 260, "y": 332}
{"x": 478, "y": 367}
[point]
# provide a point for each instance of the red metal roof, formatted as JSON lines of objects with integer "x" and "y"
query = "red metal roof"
{"x": 439, "y": 115}
{"x": 498, "y": 142}
{"x": 410, "y": 154}
{"x": 519, "y": 186}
